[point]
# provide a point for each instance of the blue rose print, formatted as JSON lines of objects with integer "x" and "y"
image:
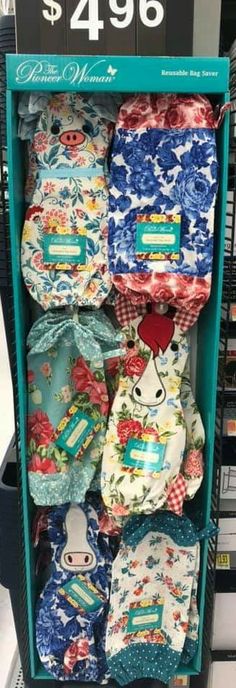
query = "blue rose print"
{"x": 193, "y": 192}
{"x": 178, "y": 171}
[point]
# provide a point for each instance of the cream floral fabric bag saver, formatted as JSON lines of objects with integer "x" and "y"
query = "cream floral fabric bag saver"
{"x": 145, "y": 447}
{"x": 64, "y": 244}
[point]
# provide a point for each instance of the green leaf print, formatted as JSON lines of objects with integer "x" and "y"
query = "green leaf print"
{"x": 179, "y": 418}
{"x": 198, "y": 443}
{"x": 32, "y": 447}
{"x": 120, "y": 480}
{"x": 99, "y": 376}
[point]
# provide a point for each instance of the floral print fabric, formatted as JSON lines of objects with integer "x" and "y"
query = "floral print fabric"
{"x": 69, "y": 201}
{"x": 153, "y": 582}
{"x": 146, "y": 407}
{"x": 70, "y": 640}
{"x": 153, "y": 404}
{"x": 164, "y": 162}
{"x": 66, "y": 375}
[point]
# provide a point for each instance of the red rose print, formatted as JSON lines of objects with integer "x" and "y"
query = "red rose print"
{"x": 176, "y": 616}
{"x": 82, "y": 376}
{"x": 135, "y": 365}
{"x": 77, "y": 651}
{"x": 154, "y": 435}
{"x": 175, "y": 117}
{"x": 30, "y": 377}
{"x": 39, "y": 465}
{"x": 112, "y": 366}
{"x": 120, "y": 510}
{"x": 108, "y": 526}
{"x": 127, "y": 429}
{"x": 40, "y": 429}
{"x": 98, "y": 395}
{"x": 138, "y": 591}
{"x": 162, "y": 294}
{"x": 45, "y": 369}
{"x": 184, "y": 626}
{"x": 193, "y": 466}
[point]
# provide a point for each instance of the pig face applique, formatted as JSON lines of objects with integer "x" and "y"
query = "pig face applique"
{"x": 64, "y": 239}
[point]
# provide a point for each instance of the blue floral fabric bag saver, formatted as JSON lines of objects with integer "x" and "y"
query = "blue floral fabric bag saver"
{"x": 64, "y": 240}
{"x": 67, "y": 403}
{"x": 72, "y": 608}
{"x": 163, "y": 185}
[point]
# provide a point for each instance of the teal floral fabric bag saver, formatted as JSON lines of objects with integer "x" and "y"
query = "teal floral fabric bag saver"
{"x": 67, "y": 403}
{"x": 64, "y": 240}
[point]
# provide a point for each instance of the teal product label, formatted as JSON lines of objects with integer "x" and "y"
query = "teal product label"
{"x": 64, "y": 248}
{"x": 112, "y": 73}
{"x": 142, "y": 618}
{"x": 73, "y": 437}
{"x": 158, "y": 236}
{"x": 80, "y": 593}
{"x": 146, "y": 455}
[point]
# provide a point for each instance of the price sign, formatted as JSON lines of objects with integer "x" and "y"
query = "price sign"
{"x": 223, "y": 561}
{"x": 99, "y": 27}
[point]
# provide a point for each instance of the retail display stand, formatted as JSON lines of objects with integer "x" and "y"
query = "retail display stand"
{"x": 122, "y": 74}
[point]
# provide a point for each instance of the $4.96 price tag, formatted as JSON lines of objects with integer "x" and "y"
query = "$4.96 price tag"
{"x": 151, "y": 14}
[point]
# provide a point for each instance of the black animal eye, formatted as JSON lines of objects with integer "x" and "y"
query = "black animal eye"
{"x": 55, "y": 129}
{"x": 86, "y": 128}
{"x": 130, "y": 344}
{"x": 174, "y": 346}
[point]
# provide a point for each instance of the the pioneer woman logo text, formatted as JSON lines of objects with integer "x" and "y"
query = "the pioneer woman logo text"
{"x": 44, "y": 72}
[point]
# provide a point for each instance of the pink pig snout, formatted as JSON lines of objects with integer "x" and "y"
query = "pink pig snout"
{"x": 78, "y": 559}
{"x": 72, "y": 138}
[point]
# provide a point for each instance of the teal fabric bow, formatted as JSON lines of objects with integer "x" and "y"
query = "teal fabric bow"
{"x": 94, "y": 335}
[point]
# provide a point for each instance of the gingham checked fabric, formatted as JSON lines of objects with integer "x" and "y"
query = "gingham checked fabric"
{"x": 176, "y": 495}
{"x": 126, "y": 311}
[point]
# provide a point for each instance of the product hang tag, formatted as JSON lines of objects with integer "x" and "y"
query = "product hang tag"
{"x": 158, "y": 237}
{"x": 64, "y": 250}
{"x": 145, "y": 615}
{"x": 75, "y": 431}
{"x": 144, "y": 456}
{"x": 82, "y": 594}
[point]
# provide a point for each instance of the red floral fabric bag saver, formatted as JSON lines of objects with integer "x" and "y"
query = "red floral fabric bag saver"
{"x": 163, "y": 185}
{"x": 67, "y": 404}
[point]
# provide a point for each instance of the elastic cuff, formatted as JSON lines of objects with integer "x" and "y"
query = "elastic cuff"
{"x": 144, "y": 661}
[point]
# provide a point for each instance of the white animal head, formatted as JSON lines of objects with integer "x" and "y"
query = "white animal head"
{"x": 77, "y": 554}
{"x": 169, "y": 350}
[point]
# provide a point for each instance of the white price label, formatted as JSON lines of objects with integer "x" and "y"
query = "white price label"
{"x": 151, "y": 14}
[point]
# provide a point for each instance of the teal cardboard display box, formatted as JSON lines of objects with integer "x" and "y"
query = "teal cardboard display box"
{"x": 125, "y": 74}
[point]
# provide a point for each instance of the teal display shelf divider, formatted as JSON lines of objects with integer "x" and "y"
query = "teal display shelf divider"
{"x": 125, "y": 74}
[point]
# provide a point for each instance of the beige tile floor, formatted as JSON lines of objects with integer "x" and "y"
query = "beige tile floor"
{"x": 8, "y": 643}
